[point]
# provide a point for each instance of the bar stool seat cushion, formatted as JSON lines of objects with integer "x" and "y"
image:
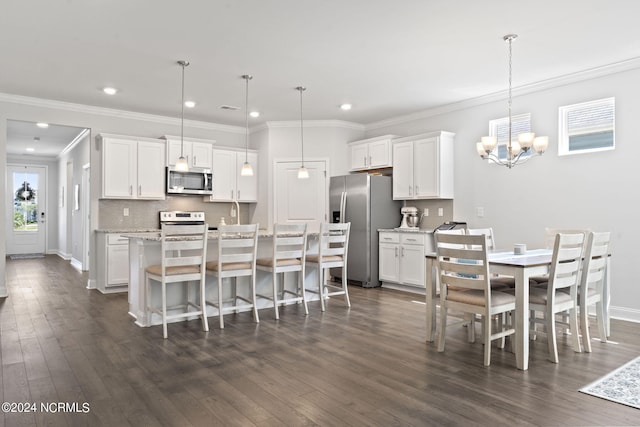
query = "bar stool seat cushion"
{"x": 327, "y": 258}
{"x": 213, "y": 265}
{"x": 173, "y": 271}
{"x": 268, "y": 262}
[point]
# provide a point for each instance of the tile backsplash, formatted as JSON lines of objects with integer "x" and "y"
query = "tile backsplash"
{"x": 145, "y": 213}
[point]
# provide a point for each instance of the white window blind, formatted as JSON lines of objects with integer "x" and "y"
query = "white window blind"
{"x": 587, "y": 127}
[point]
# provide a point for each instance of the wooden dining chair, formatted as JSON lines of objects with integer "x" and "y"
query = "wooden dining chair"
{"x": 287, "y": 255}
{"x": 591, "y": 287}
{"x": 237, "y": 248}
{"x": 184, "y": 254}
{"x": 560, "y": 293}
{"x": 465, "y": 286}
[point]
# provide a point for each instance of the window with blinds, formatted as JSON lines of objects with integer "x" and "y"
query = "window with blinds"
{"x": 587, "y": 127}
{"x": 500, "y": 129}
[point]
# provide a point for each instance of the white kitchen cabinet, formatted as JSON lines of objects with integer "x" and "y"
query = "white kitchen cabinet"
{"x": 228, "y": 184}
{"x": 113, "y": 263}
{"x": 132, "y": 168}
{"x": 402, "y": 257}
{"x": 423, "y": 166}
{"x": 372, "y": 153}
{"x": 198, "y": 153}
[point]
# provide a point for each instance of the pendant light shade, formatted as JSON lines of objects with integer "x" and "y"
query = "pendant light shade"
{"x": 246, "y": 170}
{"x": 182, "y": 165}
{"x": 303, "y": 173}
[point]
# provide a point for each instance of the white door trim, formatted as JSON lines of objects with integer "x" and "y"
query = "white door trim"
{"x": 44, "y": 207}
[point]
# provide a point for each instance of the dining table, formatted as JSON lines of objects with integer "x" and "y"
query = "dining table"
{"x": 521, "y": 267}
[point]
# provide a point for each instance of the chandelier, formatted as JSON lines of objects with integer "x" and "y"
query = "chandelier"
{"x": 515, "y": 149}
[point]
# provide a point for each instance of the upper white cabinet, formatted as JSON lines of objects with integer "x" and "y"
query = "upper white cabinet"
{"x": 423, "y": 166}
{"x": 228, "y": 184}
{"x": 198, "y": 153}
{"x": 132, "y": 168}
{"x": 372, "y": 153}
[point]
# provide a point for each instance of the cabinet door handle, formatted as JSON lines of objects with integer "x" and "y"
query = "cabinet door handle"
{"x": 410, "y": 193}
{"x": 238, "y": 194}
{"x": 402, "y": 251}
{"x": 131, "y": 190}
{"x": 231, "y": 194}
{"x": 411, "y": 240}
{"x": 139, "y": 190}
{"x": 195, "y": 162}
{"x": 417, "y": 189}
{"x": 396, "y": 252}
{"x": 365, "y": 160}
{"x": 369, "y": 160}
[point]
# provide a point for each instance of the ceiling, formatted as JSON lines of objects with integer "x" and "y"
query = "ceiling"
{"x": 47, "y": 142}
{"x": 387, "y": 58}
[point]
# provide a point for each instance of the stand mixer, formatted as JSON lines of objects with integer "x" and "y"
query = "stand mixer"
{"x": 410, "y": 217}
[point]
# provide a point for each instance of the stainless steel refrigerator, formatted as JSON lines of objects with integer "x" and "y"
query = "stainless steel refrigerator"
{"x": 366, "y": 201}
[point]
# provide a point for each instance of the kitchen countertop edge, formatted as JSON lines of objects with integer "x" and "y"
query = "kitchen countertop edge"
{"x": 397, "y": 230}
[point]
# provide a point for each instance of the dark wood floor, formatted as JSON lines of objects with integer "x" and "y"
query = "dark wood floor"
{"x": 365, "y": 366}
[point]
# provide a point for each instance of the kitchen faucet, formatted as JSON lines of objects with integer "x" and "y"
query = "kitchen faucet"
{"x": 237, "y": 211}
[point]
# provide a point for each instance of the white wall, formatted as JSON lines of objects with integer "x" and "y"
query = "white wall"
{"x": 595, "y": 191}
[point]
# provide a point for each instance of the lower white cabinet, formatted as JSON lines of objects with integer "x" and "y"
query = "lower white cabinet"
{"x": 402, "y": 257}
{"x": 113, "y": 262}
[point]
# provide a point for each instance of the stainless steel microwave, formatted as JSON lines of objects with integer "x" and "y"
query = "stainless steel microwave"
{"x": 191, "y": 182}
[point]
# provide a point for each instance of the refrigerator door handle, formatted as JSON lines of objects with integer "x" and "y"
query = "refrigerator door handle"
{"x": 343, "y": 206}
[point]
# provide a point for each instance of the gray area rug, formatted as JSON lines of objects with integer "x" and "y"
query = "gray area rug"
{"x": 621, "y": 385}
{"x": 26, "y": 256}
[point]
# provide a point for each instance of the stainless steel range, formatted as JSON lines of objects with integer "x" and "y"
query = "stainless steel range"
{"x": 181, "y": 218}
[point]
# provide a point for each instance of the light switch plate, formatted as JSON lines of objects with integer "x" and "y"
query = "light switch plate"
{"x": 440, "y": 212}
{"x": 125, "y": 211}
{"x": 479, "y": 212}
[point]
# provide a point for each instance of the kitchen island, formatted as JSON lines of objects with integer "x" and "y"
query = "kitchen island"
{"x": 144, "y": 250}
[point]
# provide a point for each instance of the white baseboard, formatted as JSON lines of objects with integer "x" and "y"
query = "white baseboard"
{"x": 76, "y": 264}
{"x": 623, "y": 313}
{"x": 92, "y": 284}
{"x": 62, "y": 255}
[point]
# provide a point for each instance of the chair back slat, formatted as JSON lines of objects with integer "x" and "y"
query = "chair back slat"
{"x": 462, "y": 263}
{"x": 183, "y": 245}
{"x": 334, "y": 240}
{"x": 595, "y": 261}
{"x": 487, "y": 232}
{"x": 237, "y": 243}
{"x": 566, "y": 262}
{"x": 289, "y": 241}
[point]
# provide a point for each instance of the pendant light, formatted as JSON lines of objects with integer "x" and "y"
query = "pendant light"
{"x": 515, "y": 150}
{"x": 246, "y": 170}
{"x": 182, "y": 165}
{"x": 303, "y": 173}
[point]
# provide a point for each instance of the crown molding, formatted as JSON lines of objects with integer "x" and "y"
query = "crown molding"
{"x": 76, "y": 141}
{"x": 112, "y": 112}
{"x": 539, "y": 86}
{"x": 312, "y": 124}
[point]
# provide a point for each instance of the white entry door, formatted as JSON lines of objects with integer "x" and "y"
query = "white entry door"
{"x": 26, "y": 226}
{"x": 301, "y": 200}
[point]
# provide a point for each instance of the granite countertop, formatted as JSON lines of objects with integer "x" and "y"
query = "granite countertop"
{"x": 128, "y": 230}
{"x": 405, "y": 230}
{"x": 212, "y": 235}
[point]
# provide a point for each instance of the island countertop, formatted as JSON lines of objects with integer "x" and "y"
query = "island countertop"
{"x": 211, "y": 235}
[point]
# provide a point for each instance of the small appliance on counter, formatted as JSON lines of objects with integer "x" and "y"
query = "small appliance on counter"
{"x": 410, "y": 219}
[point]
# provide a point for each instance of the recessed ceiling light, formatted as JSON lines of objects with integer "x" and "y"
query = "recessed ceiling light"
{"x": 42, "y": 125}
{"x": 189, "y": 104}
{"x": 31, "y": 150}
{"x": 110, "y": 90}
{"x": 254, "y": 114}
{"x": 345, "y": 107}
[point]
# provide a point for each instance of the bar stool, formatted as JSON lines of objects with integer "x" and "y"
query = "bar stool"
{"x": 237, "y": 248}
{"x": 333, "y": 247}
{"x": 289, "y": 250}
{"x": 184, "y": 253}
